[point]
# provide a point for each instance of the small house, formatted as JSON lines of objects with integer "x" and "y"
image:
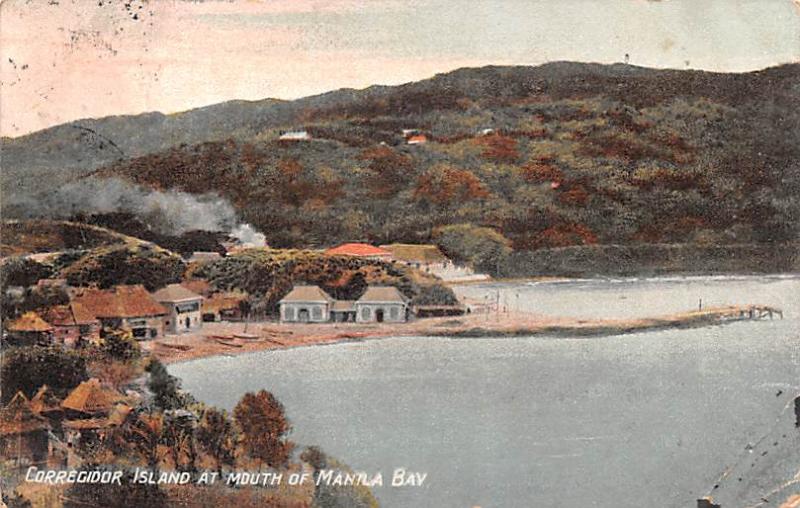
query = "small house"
{"x": 226, "y": 306}
{"x": 306, "y": 304}
{"x": 24, "y": 435}
{"x": 91, "y": 399}
{"x": 183, "y": 308}
{"x": 29, "y": 329}
{"x": 295, "y": 136}
{"x": 427, "y": 258}
{"x": 360, "y": 250}
{"x": 71, "y": 323}
{"x": 382, "y": 304}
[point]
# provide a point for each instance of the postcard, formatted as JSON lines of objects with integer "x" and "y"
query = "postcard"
{"x": 418, "y": 253}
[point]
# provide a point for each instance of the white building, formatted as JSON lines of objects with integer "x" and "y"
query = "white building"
{"x": 382, "y": 304}
{"x": 183, "y": 308}
{"x": 306, "y": 304}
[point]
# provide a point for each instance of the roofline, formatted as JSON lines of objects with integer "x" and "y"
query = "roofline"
{"x": 179, "y": 300}
{"x": 132, "y": 316}
{"x": 305, "y": 301}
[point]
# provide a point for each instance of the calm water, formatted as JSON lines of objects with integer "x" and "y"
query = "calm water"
{"x": 541, "y": 422}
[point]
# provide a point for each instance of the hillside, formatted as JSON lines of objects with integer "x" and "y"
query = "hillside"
{"x": 581, "y": 154}
{"x": 39, "y": 236}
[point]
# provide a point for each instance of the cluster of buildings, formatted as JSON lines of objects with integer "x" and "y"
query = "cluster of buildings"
{"x": 179, "y": 308}
{"x": 173, "y": 309}
{"x": 45, "y": 431}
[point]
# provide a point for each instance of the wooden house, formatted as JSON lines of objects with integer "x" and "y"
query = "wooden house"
{"x": 225, "y": 306}
{"x": 71, "y": 323}
{"x": 29, "y": 329}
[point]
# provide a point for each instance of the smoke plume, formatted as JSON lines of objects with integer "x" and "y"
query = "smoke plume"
{"x": 169, "y": 212}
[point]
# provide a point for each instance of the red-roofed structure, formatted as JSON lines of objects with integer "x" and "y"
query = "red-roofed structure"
{"x": 361, "y": 250}
{"x": 123, "y": 307}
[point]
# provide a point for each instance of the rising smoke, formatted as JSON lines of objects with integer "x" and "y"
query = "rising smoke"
{"x": 170, "y": 212}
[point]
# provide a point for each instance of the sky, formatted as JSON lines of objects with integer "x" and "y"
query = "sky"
{"x": 63, "y": 60}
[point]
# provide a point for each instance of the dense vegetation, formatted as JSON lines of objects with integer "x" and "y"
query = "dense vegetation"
{"x": 603, "y": 155}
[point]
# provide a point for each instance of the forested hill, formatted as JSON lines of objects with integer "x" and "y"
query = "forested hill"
{"x": 579, "y": 154}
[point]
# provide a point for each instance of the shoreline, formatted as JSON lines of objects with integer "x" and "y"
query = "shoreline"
{"x": 220, "y": 338}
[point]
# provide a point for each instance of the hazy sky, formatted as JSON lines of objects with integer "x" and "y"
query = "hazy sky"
{"x": 88, "y": 58}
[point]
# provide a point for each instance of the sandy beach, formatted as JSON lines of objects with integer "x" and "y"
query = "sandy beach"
{"x": 232, "y": 338}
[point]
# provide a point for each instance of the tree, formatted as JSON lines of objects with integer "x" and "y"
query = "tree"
{"x": 165, "y": 387}
{"x": 143, "y": 435}
{"x": 27, "y": 369}
{"x": 120, "y": 345}
{"x": 264, "y": 428}
{"x": 435, "y": 294}
{"x": 216, "y": 436}
{"x": 178, "y": 436}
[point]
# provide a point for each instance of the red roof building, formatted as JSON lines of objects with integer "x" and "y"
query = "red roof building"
{"x": 123, "y": 307}
{"x": 361, "y": 250}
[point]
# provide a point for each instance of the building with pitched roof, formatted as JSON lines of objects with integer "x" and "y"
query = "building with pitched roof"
{"x": 427, "y": 258}
{"x": 183, "y": 308}
{"x": 29, "y": 329}
{"x": 71, "y": 323}
{"x": 129, "y": 308}
{"x": 91, "y": 399}
{"x": 224, "y": 306}
{"x": 360, "y": 250}
{"x": 306, "y": 304}
{"x": 382, "y": 304}
{"x": 310, "y": 304}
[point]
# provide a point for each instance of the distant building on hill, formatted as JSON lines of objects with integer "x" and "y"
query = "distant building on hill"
{"x": 360, "y": 250}
{"x": 129, "y": 308}
{"x": 418, "y": 139}
{"x": 295, "y": 136}
{"x": 183, "y": 308}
